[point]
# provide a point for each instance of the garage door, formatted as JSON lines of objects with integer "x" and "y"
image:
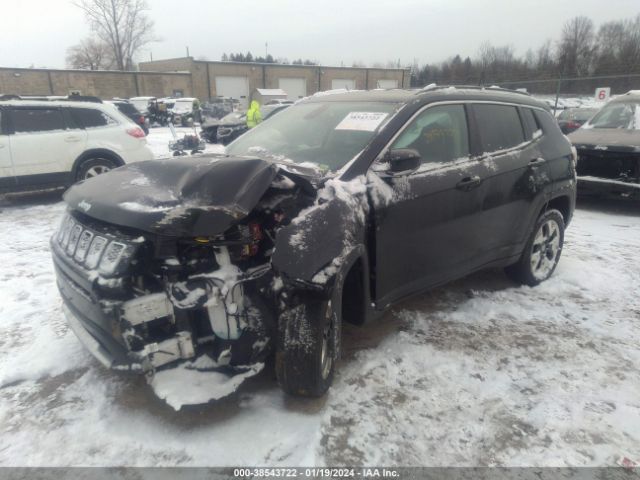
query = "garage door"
{"x": 296, "y": 88}
{"x": 387, "y": 83}
{"x": 346, "y": 83}
{"x": 234, "y": 87}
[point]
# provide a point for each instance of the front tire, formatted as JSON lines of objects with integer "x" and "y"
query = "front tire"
{"x": 94, "y": 167}
{"x": 308, "y": 345}
{"x": 542, "y": 251}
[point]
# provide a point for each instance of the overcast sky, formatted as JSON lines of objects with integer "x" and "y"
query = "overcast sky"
{"x": 38, "y": 32}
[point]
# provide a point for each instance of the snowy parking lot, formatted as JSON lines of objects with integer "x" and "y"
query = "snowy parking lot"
{"x": 479, "y": 372}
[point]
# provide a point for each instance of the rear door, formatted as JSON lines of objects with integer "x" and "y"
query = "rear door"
{"x": 426, "y": 229}
{"x": 43, "y": 144}
{"x": 513, "y": 164}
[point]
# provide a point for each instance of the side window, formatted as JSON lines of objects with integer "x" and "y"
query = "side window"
{"x": 439, "y": 134}
{"x": 499, "y": 125}
{"x": 531, "y": 128}
{"x": 91, "y": 118}
{"x": 28, "y": 120}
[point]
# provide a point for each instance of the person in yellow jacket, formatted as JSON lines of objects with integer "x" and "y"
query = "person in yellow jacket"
{"x": 254, "y": 117}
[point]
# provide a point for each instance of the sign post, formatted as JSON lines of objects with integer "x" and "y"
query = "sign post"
{"x": 603, "y": 94}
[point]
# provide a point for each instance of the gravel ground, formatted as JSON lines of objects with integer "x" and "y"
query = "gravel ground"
{"x": 480, "y": 372}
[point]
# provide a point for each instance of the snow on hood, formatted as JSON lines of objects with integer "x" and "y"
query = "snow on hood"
{"x": 612, "y": 138}
{"x": 195, "y": 196}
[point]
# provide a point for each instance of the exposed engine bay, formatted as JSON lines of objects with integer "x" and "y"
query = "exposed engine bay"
{"x": 209, "y": 302}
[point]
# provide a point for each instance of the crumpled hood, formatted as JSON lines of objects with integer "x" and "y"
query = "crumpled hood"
{"x": 193, "y": 196}
{"x": 612, "y": 138}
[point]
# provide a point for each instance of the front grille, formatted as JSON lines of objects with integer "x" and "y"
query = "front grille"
{"x": 613, "y": 166}
{"x": 93, "y": 250}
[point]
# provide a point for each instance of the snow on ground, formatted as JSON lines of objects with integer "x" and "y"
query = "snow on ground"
{"x": 480, "y": 372}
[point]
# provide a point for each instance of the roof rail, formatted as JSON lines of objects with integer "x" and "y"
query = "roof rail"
{"x": 432, "y": 87}
{"x": 82, "y": 98}
{"x": 9, "y": 96}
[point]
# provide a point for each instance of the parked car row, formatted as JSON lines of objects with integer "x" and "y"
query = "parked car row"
{"x": 230, "y": 127}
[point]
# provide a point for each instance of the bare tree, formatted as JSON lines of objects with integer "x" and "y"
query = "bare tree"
{"x": 90, "y": 54}
{"x": 576, "y": 48}
{"x": 122, "y": 24}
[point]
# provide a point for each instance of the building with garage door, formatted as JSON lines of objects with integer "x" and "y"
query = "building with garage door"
{"x": 238, "y": 80}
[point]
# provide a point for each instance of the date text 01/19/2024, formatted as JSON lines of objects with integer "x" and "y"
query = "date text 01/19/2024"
{"x": 315, "y": 473}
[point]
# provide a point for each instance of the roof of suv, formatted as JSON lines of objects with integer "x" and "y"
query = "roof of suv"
{"x": 429, "y": 94}
{"x": 633, "y": 95}
{"x": 50, "y": 103}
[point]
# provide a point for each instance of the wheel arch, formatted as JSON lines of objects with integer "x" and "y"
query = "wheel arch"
{"x": 96, "y": 153}
{"x": 562, "y": 203}
{"x": 352, "y": 280}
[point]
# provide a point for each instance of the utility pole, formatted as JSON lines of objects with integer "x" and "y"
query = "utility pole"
{"x": 266, "y": 50}
{"x": 555, "y": 107}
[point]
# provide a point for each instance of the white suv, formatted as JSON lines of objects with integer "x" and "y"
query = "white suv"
{"x": 46, "y": 144}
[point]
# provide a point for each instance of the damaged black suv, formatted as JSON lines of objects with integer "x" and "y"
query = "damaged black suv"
{"x": 330, "y": 212}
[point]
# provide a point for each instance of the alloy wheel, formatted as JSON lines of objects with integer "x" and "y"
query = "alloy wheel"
{"x": 545, "y": 250}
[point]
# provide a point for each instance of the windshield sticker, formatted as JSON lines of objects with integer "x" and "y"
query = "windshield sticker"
{"x": 362, "y": 121}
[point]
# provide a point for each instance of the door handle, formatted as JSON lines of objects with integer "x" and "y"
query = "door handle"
{"x": 468, "y": 183}
{"x": 72, "y": 139}
{"x": 536, "y": 161}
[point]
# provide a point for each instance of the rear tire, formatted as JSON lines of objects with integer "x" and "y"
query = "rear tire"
{"x": 542, "y": 251}
{"x": 93, "y": 167}
{"x": 308, "y": 345}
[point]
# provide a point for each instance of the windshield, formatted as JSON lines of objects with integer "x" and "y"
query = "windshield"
{"x": 623, "y": 115}
{"x": 328, "y": 134}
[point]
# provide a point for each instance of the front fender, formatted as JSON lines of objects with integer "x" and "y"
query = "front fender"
{"x": 313, "y": 248}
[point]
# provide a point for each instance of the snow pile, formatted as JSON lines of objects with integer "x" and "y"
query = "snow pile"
{"x": 187, "y": 385}
{"x": 485, "y": 373}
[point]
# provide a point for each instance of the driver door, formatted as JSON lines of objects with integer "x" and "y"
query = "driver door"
{"x": 425, "y": 231}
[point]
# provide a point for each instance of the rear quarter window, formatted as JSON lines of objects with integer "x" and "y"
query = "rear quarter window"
{"x": 27, "y": 120}
{"x": 531, "y": 128}
{"x": 499, "y": 126}
{"x": 91, "y": 118}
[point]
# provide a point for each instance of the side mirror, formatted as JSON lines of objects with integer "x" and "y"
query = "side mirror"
{"x": 403, "y": 160}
